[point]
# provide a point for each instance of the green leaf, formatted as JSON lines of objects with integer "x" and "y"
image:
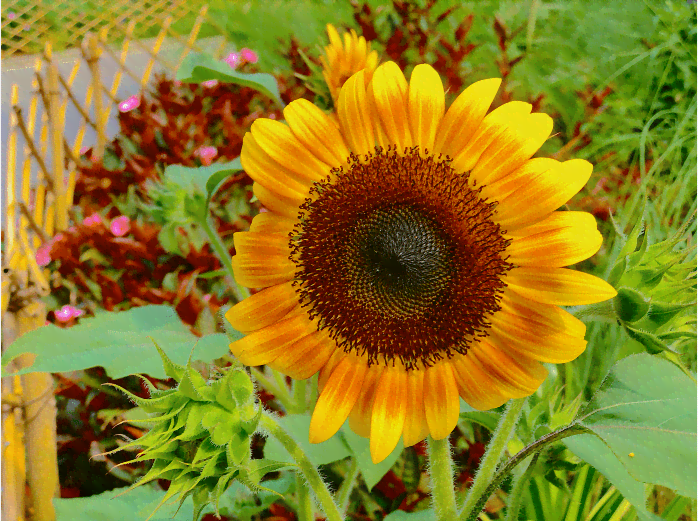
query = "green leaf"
{"x": 595, "y": 452}
{"x": 298, "y": 426}
{"x": 256, "y": 469}
{"x": 645, "y": 411}
{"x": 400, "y": 515}
{"x": 651, "y": 342}
{"x": 110, "y": 506}
{"x": 660, "y": 312}
{"x": 218, "y": 177}
{"x": 197, "y": 68}
{"x": 372, "y": 473}
{"x": 120, "y": 342}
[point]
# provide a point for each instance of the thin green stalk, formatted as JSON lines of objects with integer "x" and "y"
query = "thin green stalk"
{"x": 223, "y": 255}
{"x": 344, "y": 492}
{"x": 517, "y": 490}
{"x": 492, "y": 457}
{"x": 299, "y": 398}
{"x": 305, "y": 502}
{"x": 564, "y": 432}
{"x": 441, "y": 471}
{"x": 312, "y": 476}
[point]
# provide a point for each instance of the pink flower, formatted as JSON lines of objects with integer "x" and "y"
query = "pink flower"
{"x": 206, "y": 298}
{"x": 249, "y": 55}
{"x": 120, "y": 226}
{"x": 43, "y": 254}
{"x": 84, "y": 150}
{"x": 209, "y": 83}
{"x": 133, "y": 102}
{"x": 177, "y": 83}
{"x": 67, "y": 312}
{"x": 11, "y": 15}
{"x": 93, "y": 219}
{"x": 206, "y": 154}
{"x": 233, "y": 59}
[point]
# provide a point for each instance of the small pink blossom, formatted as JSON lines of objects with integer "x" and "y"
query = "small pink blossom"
{"x": 272, "y": 116}
{"x": 206, "y": 298}
{"x": 11, "y": 15}
{"x": 43, "y": 254}
{"x": 84, "y": 150}
{"x": 93, "y": 219}
{"x": 120, "y": 226}
{"x": 249, "y": 55}
{"x": 206, "y": 154}
{"x": 262, "y": 210}
{"x": 67, "y": 312}
{"x": 209, "y": 83}
{"x": 233, "y": 59}
{"x": 177, "y": 83}
{"x": 130, "y": 103}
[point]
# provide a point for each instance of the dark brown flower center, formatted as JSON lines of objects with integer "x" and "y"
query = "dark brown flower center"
{"x": 398, "y": 257}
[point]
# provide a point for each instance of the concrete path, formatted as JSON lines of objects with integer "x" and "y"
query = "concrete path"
{"x": 20, "y": 70}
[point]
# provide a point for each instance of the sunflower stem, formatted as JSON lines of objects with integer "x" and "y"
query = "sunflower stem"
{"x": 344, "y": 492}
{"x": 441, "y": 470}
{"x": 492, "y": 457}
{"x": 311, "y": 474}
{"x": 299, "y": 395}
{"x": 224, "y": 257}
{"x": 521, "y": 480}
{"x": 305, "y": 502}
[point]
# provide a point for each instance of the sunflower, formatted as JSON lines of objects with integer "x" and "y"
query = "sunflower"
{"x": 342, "y": 61}
{"x": 411, "y": 255}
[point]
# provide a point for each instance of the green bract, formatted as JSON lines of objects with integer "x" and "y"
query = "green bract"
{"x": 200, "y": 439}
{"x": 656, "y": 290}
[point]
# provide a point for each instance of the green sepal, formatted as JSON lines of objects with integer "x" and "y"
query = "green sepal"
{"x": 250, "y": 425}
{"x": 194, "y": 387}
{"x": 193, "y": 429}
{"x": 205, "y": 451}
{"x": 651, "y": 342}
{"x": 238, "y": 450}
{"x": 636, "y": 256}
{"x": 617, "y": 271}
{"x": 172, "y": 370}
{"x": 241, "y": 387}
{"x": 162, "y": 403}
{"x": 662, "y": 312}
{"x": 630, "y": 305}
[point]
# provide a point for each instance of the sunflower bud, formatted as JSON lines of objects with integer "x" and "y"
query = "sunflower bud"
{"x": 200, "y": 439}
{"x": 656, "y": 299}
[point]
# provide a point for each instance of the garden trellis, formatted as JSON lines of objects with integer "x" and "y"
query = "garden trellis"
{"x": 42, "y": 161}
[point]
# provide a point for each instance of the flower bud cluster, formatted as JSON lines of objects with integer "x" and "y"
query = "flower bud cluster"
{"x": 200, "y": 439}
{"x": 656, "y": 286}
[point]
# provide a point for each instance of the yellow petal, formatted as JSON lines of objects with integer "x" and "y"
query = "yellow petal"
{"x": 360, "y": 416}
{"x": 389, "y": 94}
{"x": 268, "y": 222}
{"x": 277, "y": 140}
{"x": 316, "y": 132}
{"x": 389, "y": 411}
{"x": 559, "y": 286}
{"x": 494, "y": 124}
{"x": 264, "y": 170}
{"x": 441, "y": 402}
{"x": 251, "y": 243}
{"x": 355, "y": 115}
{"x": 557, "y": 348}
{"x": 263, "y": 309}
{"x": 337, "y": 399}
{"x": 415, "y": 429}
{"x": 425, "y": 105}
{"x": 543, "y": 318}
{"x": 464, "y": 117}
{"x": 306, "y": 357}
{"x": 512, "y": 147}
{"x": 285, "y": 205}
{"x": 517, "y": 377}
{"x": 475, "y": 386}
{"x": 257, "y": 268}
{"x": 561, "y": 239}
{"x": 537, "y": 188}
{"x": 265, "y": 345}
{"x": 337, "y": 356}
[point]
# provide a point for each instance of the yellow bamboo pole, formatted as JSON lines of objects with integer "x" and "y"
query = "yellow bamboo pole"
{"x": 56, "y": 119}
{"x": 10, "y": 188}
{"x": 92, "y": 52}
{"x": 192, "y": 35}
{"x": 40, "y": 424}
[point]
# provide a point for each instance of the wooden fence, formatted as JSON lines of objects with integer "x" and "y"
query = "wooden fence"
{"x": 41, "y": 167}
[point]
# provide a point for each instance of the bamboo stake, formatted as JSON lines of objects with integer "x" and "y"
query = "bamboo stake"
{"x": 192, "y": 35}
{"x": 40, "y": 423}
{"x": 56, "y": 121}
{"x": 91, "y": 51}
{"x": 10, "y": 221}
